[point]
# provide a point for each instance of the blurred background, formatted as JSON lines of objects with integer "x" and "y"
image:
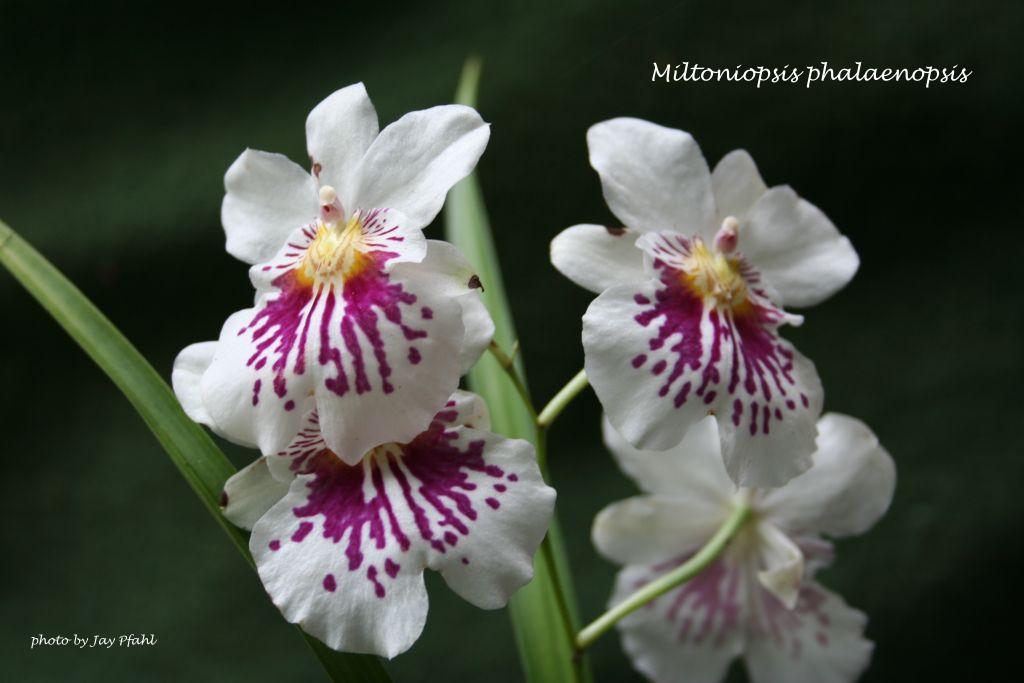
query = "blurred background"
{"x": 117, "y": 124}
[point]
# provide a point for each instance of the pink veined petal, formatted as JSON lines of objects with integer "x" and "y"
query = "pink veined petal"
{"x": 376, "y": 353}
{"x": 343, "y": 553}
{"x": 696, "y": 629}
{"x": 821, "y": 640}
{"x": 596, "y": 257}
{"x": 661, "y": 357}
{"x": 267, "y": 198}
{"x": 653, "y": 178}
{"x": 339, "y": 130}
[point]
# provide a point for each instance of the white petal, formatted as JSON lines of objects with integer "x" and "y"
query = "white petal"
{"x": 660, "y": 360}
{"x": 343, "y": 554}
{"x": 799, "y": 252}
{"x": 692, "y": 469}
{"x": 781, "y": 562}
{"x": 479, "y": 326}
{"x": 820, "y": 641}
{"x": 250, "y": 492}
{"x": 651, "y": 529}
{"x": 654, "y": 178}
{"x": 847, "y": 490}
{"x": 268, "y": 197}
{"x": 596, "y": 257}
{"x": 186, "y": 378}
{"x": 446, "y": 271}
{"x": 339, "y": 130}
{"x": 691, "y": 633}
{"x": 377, "y": 354}
{"x": 737, "y": 185}
{"x": 189, "y": 367}
{"x": 495, "y": 558}
{"x": 415, "y": 161}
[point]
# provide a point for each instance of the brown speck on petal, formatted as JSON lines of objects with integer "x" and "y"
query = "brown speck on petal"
{"x": 617, "y": 232}
{"x": 223, "y": 499}
{"x": 317, "y": 168}
{"x": 474, "y": 283}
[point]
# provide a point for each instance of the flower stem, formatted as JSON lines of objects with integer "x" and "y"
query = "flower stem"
{"x": 684, "y": 572}
{"x": 508, "y": 364}
{"x": 564, "y": 396}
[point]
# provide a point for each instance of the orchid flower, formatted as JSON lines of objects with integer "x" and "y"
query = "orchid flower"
{"x": 758, "y": 599}
{"x": 341, "y": 547}
{"x": 357, "y": 315}
{"x": 691, "y": 296}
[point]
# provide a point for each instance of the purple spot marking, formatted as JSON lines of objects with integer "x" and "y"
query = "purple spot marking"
{"x": 330, "y": 585}
{"x": 427, "y": 312}
{"x": 465, "y": 560}
{"x": 414, "y": 355}
{"x": 493, "y": 502}
{"x": 274, "y": 545}
{"x": 302, "y": 532}
{"x": 391, "y": 568}
{"x": 378, "y": 587}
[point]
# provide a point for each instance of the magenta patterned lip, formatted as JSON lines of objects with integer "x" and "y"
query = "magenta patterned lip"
{"x": 308, "y": 313}
{"x": 722, "y": 349}
{"x": 724, "y": 601}
{"x": 355, "y": 505}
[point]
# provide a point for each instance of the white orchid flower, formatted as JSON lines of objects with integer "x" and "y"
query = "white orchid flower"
{"x": 691, "y": 293}
{"x": 758, "y": 600}
{"x": 341, "y": 548}
{"x": 357, "y": 315}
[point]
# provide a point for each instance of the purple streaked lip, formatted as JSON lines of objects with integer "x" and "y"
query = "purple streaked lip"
{"x": 742, "y": 353}
{"x": 428, "y": 478}
{"x": 344, "y": 307}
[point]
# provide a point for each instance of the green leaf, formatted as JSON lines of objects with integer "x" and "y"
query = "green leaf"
{"x": 202, "y": 464}
{"x": 545, "y": 649}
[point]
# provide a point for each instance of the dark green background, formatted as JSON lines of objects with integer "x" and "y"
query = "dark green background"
{"x": 116, "y": 126}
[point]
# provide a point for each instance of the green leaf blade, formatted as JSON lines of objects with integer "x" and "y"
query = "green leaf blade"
{"x": 545, "y": 649}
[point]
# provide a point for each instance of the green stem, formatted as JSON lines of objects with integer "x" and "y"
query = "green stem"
{"x": 508, "y": 364}
{"x": 564, "y": 396}
{"x": 684, "y": 572}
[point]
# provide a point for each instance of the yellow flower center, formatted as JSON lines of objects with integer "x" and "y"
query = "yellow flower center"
{"x": 713, "y": 274}
{"x": 334, "y": 252}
